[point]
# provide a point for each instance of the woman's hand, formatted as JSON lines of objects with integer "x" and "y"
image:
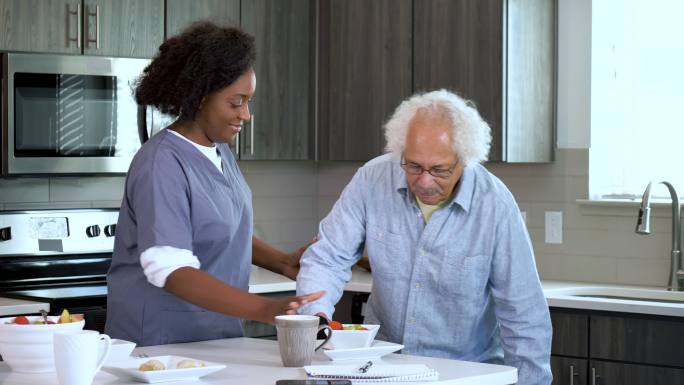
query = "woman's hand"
{"x": 287, "y": 305}
{"x": 291, "y": 261}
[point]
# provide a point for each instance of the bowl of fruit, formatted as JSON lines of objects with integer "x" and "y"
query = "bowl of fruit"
{"x": 26, "y": 341}
{"x": 351, "y": 336}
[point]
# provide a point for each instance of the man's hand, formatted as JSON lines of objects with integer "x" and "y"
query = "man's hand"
{"x": 291, "y": 262}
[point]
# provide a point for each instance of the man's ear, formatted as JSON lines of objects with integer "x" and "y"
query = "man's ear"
{"x": 201, "y": 103}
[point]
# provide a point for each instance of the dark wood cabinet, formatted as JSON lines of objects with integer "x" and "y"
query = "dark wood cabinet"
{"x": 501, "y": 56}
{"x": 616, "y": 348}
{"x": 181, "y": 13}
{"x": 638, "y": 339}
{"x": 40, "y": 26}
{"x": 570, "y": 334}
{"x": 127, "y": 28}
{"x": 282, "y": 125}
{"x": 458, "y": 45}
{"x": 613, "y": 373}
{"x": 366, "y": 70}
{"x": 569, "y": 371}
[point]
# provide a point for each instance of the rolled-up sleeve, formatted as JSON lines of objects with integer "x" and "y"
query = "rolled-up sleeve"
{"x": 326, "y": 265}
{"x": 521, "y": 308}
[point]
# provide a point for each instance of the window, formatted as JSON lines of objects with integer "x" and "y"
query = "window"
{"x": 637, "y": 97}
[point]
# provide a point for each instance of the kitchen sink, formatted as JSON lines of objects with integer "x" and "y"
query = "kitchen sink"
{"x": 620, "y": 294}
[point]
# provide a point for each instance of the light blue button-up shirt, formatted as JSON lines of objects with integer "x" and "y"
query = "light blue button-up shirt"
{"x": 462, "y": 286}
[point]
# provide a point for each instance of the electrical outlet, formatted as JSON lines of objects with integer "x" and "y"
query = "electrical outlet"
{"x": 553, "y": 227}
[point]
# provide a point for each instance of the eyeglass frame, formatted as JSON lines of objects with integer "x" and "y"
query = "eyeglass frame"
{"x": 449, "y": 171}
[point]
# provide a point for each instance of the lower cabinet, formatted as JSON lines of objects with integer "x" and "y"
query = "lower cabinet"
{"x": 569, "y": 371}
{"x": 611, "y": 373}
{"x": 607, "y": 348}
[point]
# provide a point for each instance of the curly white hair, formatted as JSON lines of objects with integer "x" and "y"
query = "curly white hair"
{"x": 471, "y": 134}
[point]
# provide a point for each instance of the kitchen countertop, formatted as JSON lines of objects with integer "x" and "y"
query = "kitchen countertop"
{"x": 254, "y": 361}
{"x": 9, "y": 306}
{"x": 557, "y": 294}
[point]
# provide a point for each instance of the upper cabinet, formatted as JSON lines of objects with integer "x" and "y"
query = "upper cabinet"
{"x": 40, "y": 26}
{"x": 282, "y": 125}
{"x": 181, "y": 13}
{"x": 128, "y": 28}
{"x": 500, "y": 55}
{"x": 365, "y": 72}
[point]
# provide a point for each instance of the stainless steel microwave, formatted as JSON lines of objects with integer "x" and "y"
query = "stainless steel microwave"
{"x": 66, "y": 114}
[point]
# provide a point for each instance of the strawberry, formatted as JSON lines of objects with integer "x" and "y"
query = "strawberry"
{"x": 334, "y": 325}
{"x": 21, "y": 320}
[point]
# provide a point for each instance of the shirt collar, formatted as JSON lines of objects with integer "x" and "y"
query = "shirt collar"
{"x": 464, "y": 187}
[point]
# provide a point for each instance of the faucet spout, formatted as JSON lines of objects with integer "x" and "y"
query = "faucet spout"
{"x": 676, "y": 279}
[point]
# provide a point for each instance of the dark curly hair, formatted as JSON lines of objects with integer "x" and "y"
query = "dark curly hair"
{"x": 203, "y": 59}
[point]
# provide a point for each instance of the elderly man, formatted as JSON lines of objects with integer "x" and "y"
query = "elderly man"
{"x": 453, "y": 267}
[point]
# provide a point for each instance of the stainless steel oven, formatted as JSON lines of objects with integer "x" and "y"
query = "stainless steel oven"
{"x": 60, "y": 257}
{"x": 66, "y": 114}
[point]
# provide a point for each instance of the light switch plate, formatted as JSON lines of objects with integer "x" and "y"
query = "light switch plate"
{"x": 553, "y": 227}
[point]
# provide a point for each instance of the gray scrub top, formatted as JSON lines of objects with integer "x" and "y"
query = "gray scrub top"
{"x": 174, "y": 196}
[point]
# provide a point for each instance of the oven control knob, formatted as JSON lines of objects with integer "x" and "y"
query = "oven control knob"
{"x": 110, "y": 230}
{"x": 5, "y": 234}
{"x": 93, "y": 231}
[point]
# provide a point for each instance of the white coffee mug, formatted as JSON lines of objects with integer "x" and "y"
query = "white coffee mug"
{"x": 78, "y": 355}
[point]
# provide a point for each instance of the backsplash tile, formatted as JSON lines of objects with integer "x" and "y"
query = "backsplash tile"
{"x": 290, "y": 198}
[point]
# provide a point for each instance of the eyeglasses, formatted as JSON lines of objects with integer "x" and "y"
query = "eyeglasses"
{"x": 437, "y": 172}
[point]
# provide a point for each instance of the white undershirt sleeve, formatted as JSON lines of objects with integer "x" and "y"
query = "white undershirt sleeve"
{"x": 158, "y": 262}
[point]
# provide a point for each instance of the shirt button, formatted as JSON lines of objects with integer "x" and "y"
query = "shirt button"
{"x": 417, "y": 286}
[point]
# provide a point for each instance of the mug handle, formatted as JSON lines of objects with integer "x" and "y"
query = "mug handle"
{"x": 327, "y": 337}
{"x": 105, "y": 353}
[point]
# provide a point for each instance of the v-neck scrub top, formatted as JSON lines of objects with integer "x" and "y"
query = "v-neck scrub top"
{"x": 174, "y": 196}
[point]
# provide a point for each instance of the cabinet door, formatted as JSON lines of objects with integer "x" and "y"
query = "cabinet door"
{"x": 282, "y": 109}
{"x": 458, "y": 45}
{"x": 568, "y": 371}
{"x": 181, "y": 13}
{"x": 127, "y": 28}
{"x": 530, "y": 80}
{"x": 648, "y": 340}
{"x": 40, "y": 26}
{"x": 365, "y": 72}
{"x": 610, "y": 373}
{"x": 570, "y": 333}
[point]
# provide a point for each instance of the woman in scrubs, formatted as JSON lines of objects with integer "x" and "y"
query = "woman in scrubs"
{"x": 184, "y": 244}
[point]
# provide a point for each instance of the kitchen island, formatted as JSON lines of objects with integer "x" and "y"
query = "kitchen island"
{"x": 257, "y": 362}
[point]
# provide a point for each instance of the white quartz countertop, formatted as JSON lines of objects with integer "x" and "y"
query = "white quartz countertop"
{"x": 9, "y": 306}
{"x": 254, "y": 361}
{"x": 558, "y": 293}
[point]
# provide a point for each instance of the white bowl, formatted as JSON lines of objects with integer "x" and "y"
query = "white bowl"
{"x": 351, "y": 339}
{"x": 120, "y": 351}
{"x": 28, "y": 348}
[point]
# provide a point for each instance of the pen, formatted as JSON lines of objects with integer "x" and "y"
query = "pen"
{"x": 365, "y": 367}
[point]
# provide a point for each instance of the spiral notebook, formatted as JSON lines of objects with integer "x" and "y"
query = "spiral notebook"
{"x": 377, "y": 373}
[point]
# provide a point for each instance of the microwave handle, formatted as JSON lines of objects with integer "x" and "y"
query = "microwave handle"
{"x": 142, "y": 124}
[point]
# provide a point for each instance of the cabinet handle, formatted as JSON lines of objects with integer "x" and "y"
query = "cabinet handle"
{"x": 97, "y": 26}
{"x": 78, "y": 25}
{"x": 573, "y": 374}
{"x": 594, "y": 376}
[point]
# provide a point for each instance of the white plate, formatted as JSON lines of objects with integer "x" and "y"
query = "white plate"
{"x": 129, "y": 369}
{"x": 376, "y": 350}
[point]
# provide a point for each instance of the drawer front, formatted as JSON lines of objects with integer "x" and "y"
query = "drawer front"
{"x": 611, "y": 373}
{"x": 638, "y": 340}
{"x": 570, "y": 334}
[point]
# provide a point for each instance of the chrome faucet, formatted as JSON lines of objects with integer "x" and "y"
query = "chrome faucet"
{"x": 644, "y": 227}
